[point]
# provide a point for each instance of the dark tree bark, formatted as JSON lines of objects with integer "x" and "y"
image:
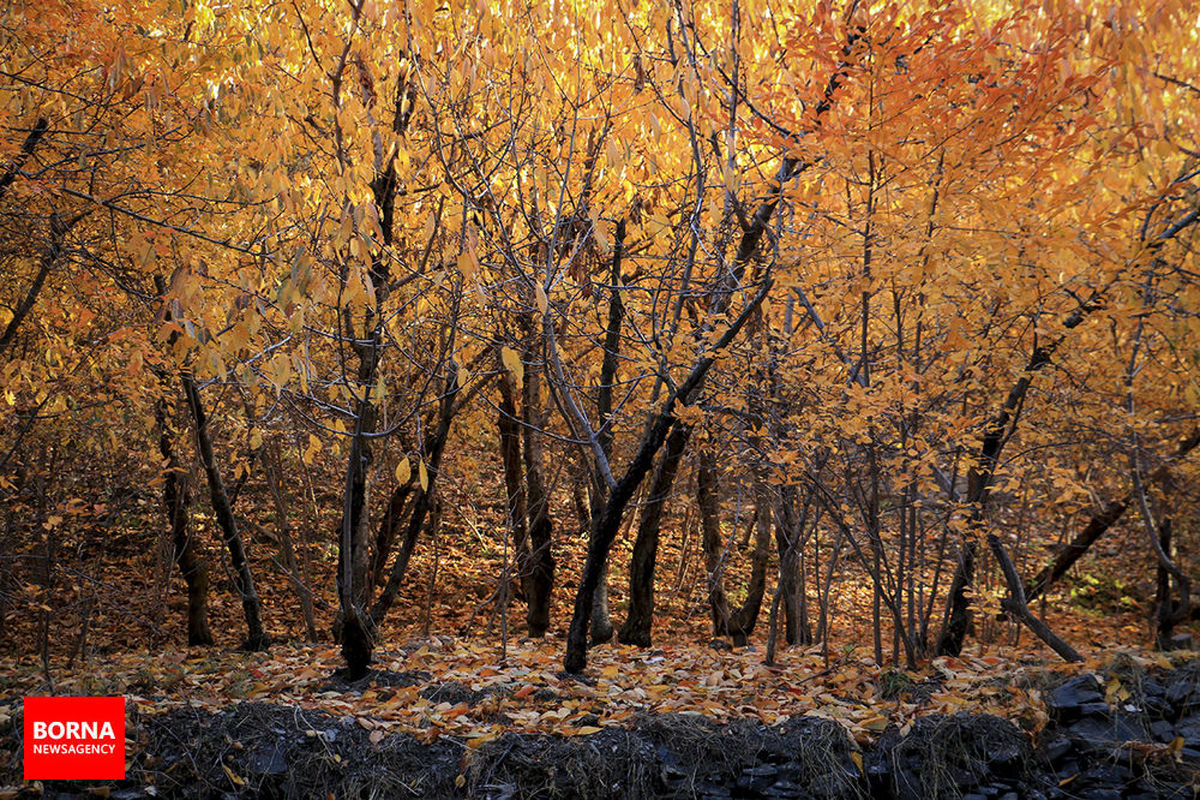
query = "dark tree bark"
{"x": 176, "y": 499}
{"x": 639, "y": 623}
{"x": 736, "y": 623}
{"x": 508, "y": 423}
{"x": 27, "y": 147}
{"x": 600, "y": 621}
{"x": 273, "y": 470}
{"x": 390, "y": 524}
{"x": 607, "y": 523}
{"x": 59, "y": 228}
{"x": 959, "y": 615}
{"x": 1017, "y": 605}
{"x": 742, "y": 621}
{"x": 789, "y": 543}
{"x": 256, "y": 637}
{"x": 538, "y": 574}
{"x": 422, "y": 500}
{"x": 708, "y": 501}
{"x": 1099, "y": 524}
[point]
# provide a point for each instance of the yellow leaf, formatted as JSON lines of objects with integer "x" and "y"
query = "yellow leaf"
{"x": 543, "y": 302}
{"x": 314, "y": 447}
{"x": 233, "y": 776}
{"x": 585, "y": 730}
{"x": 422, "y": 476}
{"x": 512, "y": 362}
{"x": 403, "y": 471}
{"x": 482, "y": 739}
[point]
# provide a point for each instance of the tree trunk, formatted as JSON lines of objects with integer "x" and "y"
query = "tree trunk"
{"x": 538, "y": 573}
{"x": 607, "y": 523}
{"x": 357, "y": 631}
{"x": 1100, "y": 522}
{"x": 391, "y": 523}
{"x": 742, "y": 621}
{"x": 273, "y": 470}
{"x": 1017, "y": 605}
{"x": 638, "y": 624}
{"x": 422, "y": 500}
{"x": 176, "y": 499}
{"x": 508, "y": 423}
{"x": 789, "y": 544}
{"x": 1165, "y": 618}
{"x": 256, "y": 637}
{"x": 1098, "y": 525}
{"x": 708, "y": 501}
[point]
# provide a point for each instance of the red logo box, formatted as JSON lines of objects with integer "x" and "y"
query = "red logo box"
{"x": 74, "y": 738}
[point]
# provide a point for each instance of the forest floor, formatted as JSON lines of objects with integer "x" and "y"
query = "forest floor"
{"x": 448, "y": 718}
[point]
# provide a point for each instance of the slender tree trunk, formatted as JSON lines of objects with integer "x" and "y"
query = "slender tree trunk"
{"x": 59, "y": 228}
{"x": 423, "y": 501}
{"x": 357, "y": 631}
{"x": 602, "y": 627}
{"x": 959, "y": 615}
{"x": 509, "y": 425}
{"x": 176, "y": 499}
{"x": 390, "y": 524}
{"x": 1165, "y": 618}
{"x": 273, "y": 470}
{"x": 540, "y": 559}
{"x": 638, "y": 624}
{"x": 256, "y": 637}
{"x": 789, "y": 532}
{"x": 1017, "y": 605}
{"x": 1099, "y": 524}
{"x": 742, "y": 621}
{"x": 607, "y": 523}
{"x": 708, "y": 501}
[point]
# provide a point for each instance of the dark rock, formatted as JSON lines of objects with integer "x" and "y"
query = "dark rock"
{"x": 1066, "y": 770}
{"x": 268, "y": 759}
{"x": 785, "y": 790}
{"x": 1100, "y": 733}
{"x": 1181, "y": 692}
{"x": 129, "y": 794}
{"x": 1181, "y": 641}
{"x": 1162, "y": 731}
{"x": 1189, "y": 729}
{"x": 762, "y": 770}
{"x": 1065, "y": 701}
{"x": 1057, "y": 748}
